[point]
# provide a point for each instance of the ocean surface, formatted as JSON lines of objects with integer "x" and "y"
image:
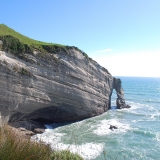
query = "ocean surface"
{"x": 138, "y": 133}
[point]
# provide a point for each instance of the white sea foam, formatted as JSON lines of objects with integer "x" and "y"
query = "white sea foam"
{"x": 87, "y": 150}
{"x": 103, "y": 127}
{"x": 134, "y": 105}
{"x": 155, "y": 116}
{"x": 49, "y": 137}
{"x": 158, "y": 136}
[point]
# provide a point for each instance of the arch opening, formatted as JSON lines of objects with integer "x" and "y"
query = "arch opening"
{"x": 118, "y": 95}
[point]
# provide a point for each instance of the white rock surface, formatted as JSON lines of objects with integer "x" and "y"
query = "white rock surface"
{"x": 62, "y": 87}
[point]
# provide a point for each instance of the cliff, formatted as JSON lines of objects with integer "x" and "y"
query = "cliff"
{"x": 50, "y": 82}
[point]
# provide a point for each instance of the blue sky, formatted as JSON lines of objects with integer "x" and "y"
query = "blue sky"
{"x": 121, "y": 35}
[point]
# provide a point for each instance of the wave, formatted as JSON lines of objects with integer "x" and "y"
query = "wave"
{"x": 142, "y": 116}
{"x": 155, "y": 116}
{"x": 158, "y": 136}
{"x": 144, "y": 133}
{"x": 152, "y": 101}
{"x": 86, "y": 150}
{"x": 137, "y": 124}
{"x": 49, "y": 137}
{"x": 135, "y": 93}
{"x": 103, "y": 127}
{"x": 137, "y": 105}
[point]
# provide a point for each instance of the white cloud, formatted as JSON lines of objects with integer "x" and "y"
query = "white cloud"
{"x": 141, "y": 64}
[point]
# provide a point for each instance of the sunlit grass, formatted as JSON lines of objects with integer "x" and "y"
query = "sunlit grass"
{"x": 5, "y": 30}
{"x": 14, "y": 147}
{"x": 18, "y": 43}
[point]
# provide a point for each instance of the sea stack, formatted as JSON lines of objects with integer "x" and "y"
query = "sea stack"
{"x": 120, "y": 94}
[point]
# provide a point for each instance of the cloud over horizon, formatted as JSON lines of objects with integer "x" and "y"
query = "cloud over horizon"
{"x": 139, "y": 64}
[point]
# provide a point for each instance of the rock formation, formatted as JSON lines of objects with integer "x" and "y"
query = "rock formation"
{"x": 113, "y": 127}
{"x": 64, "y": 87}
{"x": 62, "y": 84}
{"x": 120, "y": 94}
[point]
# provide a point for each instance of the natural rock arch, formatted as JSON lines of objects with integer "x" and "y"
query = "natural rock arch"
{"x": 120, "y": 102}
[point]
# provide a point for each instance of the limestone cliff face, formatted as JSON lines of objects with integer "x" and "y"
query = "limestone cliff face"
{"x": 57, "y": 87}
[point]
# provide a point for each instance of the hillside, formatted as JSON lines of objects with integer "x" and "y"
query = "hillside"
{"x": 5, "y": 31}
{"x": 18, "y": 43}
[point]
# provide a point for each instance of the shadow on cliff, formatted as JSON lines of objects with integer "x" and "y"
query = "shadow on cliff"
{"x": 39, "y": 118}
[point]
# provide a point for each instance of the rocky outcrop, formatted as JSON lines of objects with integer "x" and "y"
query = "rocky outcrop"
{"x": 120, "y": 94}
{"x": 57, "y": 87}
{"x": 54, "y": 87}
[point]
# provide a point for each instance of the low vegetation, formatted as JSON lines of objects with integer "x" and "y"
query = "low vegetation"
{"x": 18, "y": 44}
{"x": 14, "y": 147}
{"x": 25, "y": 72}
{"x": 5, "y": 31}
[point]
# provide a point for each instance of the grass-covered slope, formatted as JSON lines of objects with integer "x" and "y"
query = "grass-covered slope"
{"x": 17, "y": 42}
{"x": 5, "y": 30}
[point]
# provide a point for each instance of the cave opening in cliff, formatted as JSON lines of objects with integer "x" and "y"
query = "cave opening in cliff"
{"x": 43, "y": 121}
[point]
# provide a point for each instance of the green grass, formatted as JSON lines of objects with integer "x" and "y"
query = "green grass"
{"x": 5, "y": 30}
{"x": 19, "y": 44}
{"x": 14, "y": 147}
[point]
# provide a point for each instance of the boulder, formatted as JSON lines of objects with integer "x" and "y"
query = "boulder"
{"x": 113, "y": 127}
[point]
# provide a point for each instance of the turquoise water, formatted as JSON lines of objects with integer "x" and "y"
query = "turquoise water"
{"x": 138, "y": 133}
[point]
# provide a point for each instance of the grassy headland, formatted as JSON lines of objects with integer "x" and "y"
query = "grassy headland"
{"x": 18, "y": 43}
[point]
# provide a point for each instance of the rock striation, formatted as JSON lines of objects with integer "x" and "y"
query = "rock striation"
{"x": 55, "y": 87}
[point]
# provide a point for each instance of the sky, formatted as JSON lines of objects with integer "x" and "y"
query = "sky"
{"x": 121, "y": 35}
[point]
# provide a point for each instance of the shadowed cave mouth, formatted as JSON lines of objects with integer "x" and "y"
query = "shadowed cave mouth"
{"x": 54, "y": 124}
{"x": 42, "y": 121}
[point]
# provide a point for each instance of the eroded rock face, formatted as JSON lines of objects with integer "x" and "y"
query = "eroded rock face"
{"x": 59, "y": 87}
{"x": 120, "y": 94}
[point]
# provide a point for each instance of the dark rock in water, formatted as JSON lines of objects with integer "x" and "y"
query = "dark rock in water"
{"x": 120, "y": 94}
{"x": 113, "y": 127}
{"x": 121, "y": 104}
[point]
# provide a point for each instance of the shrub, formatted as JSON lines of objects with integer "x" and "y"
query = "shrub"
{"x": 15, "y": 147}
{"x": 23, "y": 71}
{"x": 13, "y": 44}
{"x": 65, "y": 155}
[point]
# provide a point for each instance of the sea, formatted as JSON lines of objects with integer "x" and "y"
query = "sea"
{"x": 137, "y": 136}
